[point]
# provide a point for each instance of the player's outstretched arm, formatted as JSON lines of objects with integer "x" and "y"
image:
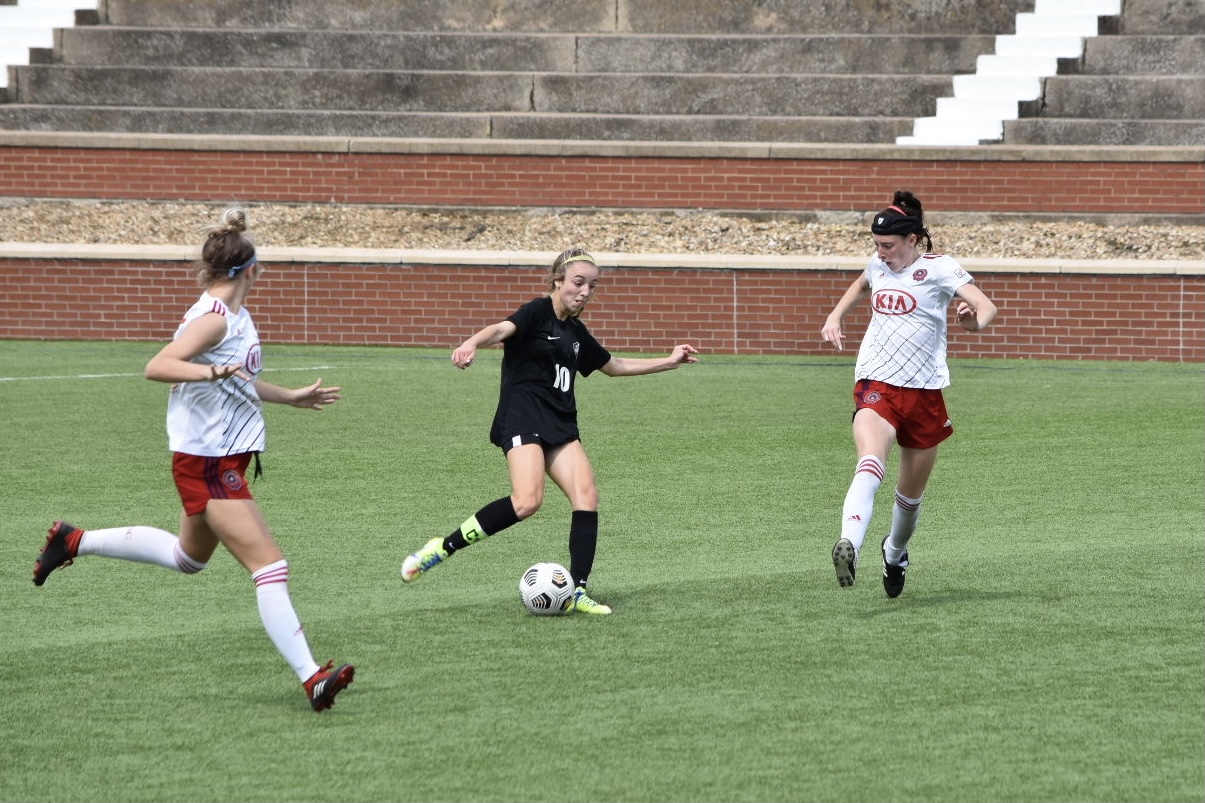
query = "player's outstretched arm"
{"x": 311, "y": 397}
{"x": 635, "y": 366}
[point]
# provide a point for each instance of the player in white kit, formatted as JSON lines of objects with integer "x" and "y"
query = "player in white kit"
{"x": 215, "y": 429}
{"x": 899, "y": 376}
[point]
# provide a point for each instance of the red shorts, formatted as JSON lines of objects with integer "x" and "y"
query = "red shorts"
{"x": 918, "y": 414}
{"x": 199, "y": 479}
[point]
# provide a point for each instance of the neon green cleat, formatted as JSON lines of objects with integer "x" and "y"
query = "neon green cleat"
{"x": 582, "y": 603}
{"x": 431, "y": 555}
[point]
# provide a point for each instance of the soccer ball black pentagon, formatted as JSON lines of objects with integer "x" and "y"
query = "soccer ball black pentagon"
{"x": 546, "y": 589}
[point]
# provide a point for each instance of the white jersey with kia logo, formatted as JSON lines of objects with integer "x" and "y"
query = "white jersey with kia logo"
{"x": 215, "y": 419}
{"x": 905, "y": 344}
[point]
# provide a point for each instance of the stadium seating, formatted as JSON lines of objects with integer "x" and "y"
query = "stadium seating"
{"x": 617, "y": 70}
{"x": 1145, "y": 85}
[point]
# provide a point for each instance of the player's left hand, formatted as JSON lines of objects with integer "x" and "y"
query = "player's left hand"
{"x": 315, "y": 397}
{"x": 684, "y": 353}
{"x": 967, "y": 317}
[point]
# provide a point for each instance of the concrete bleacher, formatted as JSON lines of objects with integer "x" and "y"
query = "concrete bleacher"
{"x": 617, "y": 70}
{"x": 584, "y": 69}
{"x": 1144, "y": 85}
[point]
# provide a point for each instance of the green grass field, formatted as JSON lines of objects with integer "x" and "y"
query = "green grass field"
{"x": 1050, "y": 644}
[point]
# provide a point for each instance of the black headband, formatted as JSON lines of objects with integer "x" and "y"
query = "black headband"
{"x": 902, "y": 225}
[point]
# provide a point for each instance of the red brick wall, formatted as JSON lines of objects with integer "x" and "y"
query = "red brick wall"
{"x": 758, "y": 311}
{"x": 774, "y": 184}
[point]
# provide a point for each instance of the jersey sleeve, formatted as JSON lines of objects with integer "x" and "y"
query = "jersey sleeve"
{"x": 523, "y": 317}
{"x": 953, "y": 275}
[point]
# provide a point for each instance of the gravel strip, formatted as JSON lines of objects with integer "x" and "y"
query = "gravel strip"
{"x": 330, "y": 226}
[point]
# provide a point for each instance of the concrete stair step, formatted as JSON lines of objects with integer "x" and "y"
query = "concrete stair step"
{"x": 73, "y": 5}
{"x": 235, "y": 122}
{"x": 1141, "y": 55}
{"x": 1015, "y": 46}
{"x": 920, "y": 54}
{"x": 520, "y": 52}
{"x": 259, "y": 89}
{"x": 817, "y": 16}
{"x": 767, "y": 17}
{"x": 1120, "y": 133}
{"x": 662, "y": 128}
{"x": 369, "y": 90}
{"x": 1119, "y": 97}
{"x": 412, "y": 15}
{"x": 1010, "y": 87}
{"x": 985, "y": 108}
{"x": 701, "y": 128}
{"x": 1181, "y": 17}
{"x": 991, "y": 64}
{"x": 108, "y": 46}
{"x": 939, "y": 130}
{"x": 1081, "y": 7}
{"x": 766, "y": 95}
{"x": 1057, "y": 25}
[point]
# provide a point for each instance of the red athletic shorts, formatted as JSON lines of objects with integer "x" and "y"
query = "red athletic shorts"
{"x": 918, "y": 414}
{"x": 199, "y": 479}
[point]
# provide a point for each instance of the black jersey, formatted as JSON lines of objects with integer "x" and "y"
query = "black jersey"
{"x": 539, "y": 364}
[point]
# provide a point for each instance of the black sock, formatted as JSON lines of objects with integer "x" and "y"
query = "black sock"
{"x": 493, "y": 518}
{"x": 583, "y": 540}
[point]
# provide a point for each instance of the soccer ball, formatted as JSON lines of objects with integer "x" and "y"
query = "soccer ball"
{"x": 546, "y": 589}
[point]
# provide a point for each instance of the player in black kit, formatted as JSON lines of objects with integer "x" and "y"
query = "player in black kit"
{"x": 545, "y": 346}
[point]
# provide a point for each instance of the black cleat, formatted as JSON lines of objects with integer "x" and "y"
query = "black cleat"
{"x": 893, "y": 576}
{"x": 324, "y": 684}
{"x": 62, "y": 544}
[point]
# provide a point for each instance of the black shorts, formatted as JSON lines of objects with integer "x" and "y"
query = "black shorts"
{"x": 514, "y": 428}
{"x": 531, "y": 437}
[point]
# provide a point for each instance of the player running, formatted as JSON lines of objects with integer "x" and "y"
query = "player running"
{"x": 900, "y": 371}
{"x": 215, "y": 427}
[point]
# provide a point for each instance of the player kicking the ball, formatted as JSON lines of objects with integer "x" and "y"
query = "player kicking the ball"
{"x": 545, "y": 346}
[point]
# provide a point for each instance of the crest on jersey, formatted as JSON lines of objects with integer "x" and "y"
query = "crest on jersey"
{"x": 919, "y": 274}
{"x": 576, "y": 348}
{"x": 232, "y": 479}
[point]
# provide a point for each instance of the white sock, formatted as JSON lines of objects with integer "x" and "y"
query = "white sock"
{"x": 140, "y": 544}
{"x": 859, "y": 500}
{"x": 904, "y": 515}
{"x": 280, "y": 620}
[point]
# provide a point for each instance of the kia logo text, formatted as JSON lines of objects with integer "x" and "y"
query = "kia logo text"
{"x": 894, "y": 302}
